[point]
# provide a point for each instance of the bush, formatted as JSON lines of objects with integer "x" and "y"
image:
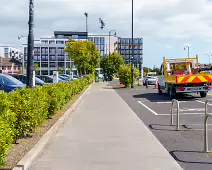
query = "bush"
{"x": 125, "y": 75}
{"x": 24, "y": 110}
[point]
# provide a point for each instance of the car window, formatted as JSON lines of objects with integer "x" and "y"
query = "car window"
{"x": 9, "y": 80}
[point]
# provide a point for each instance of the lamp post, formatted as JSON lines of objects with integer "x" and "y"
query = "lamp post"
{"x": 187, "y": 47}
{"x": 109, "y": 37}
{"x": 86, "y": 17}
{"x": 30, "y": 51}
{"x": 209, "y": 55}
{"x": 132, "y": 60}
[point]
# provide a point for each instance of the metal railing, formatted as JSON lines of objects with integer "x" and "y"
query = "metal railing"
{"x": 207, "y": 115}
{"x": 178, "y": 114}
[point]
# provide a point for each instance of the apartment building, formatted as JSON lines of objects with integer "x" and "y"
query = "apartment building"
{"x": 11, "y": 52}
{"x": 50, "y": 55}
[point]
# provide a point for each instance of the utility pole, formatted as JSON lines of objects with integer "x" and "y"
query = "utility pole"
{"x": 132, "y": 60}
{"x": 30, "y": 53}
{"x": 188, "y": 49}
{"x": 86, "y": 16}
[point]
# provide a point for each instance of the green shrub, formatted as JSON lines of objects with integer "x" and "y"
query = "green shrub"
{"x": 125, "y": 75}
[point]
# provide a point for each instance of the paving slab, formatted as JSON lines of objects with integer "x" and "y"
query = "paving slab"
{"x": 103, "y": 133}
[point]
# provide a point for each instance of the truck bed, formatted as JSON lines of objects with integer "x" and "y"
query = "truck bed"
{"x": 189, "y": 79}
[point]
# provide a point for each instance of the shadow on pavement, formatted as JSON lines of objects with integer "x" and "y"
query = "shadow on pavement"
{"x": 175, "y": 152}
{"x": 154, "y": 97}
{"x": 155, "y": 127}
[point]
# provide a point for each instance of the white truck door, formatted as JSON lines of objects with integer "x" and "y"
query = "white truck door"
{"x": 161, "y": 77}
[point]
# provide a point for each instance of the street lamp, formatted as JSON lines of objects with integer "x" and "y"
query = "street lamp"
{"x": 109, "y": 37}
{"x": 187, "y": 47}
{"x": 86, "y": 16}
{"x": 209, "y": 59}
{"x": 132, "y": 60}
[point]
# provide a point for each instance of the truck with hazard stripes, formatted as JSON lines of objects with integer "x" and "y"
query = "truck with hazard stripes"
{"x": 183, "y": 75}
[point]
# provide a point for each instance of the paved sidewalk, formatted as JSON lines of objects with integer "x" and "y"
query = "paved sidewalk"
{"x": 103, "y": 133}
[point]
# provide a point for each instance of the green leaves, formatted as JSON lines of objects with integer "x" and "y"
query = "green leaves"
{"x": 111, "y": 63}
{"x": 125, "y": 75}
{"x": 22, "y": 111}
{"x": 85, "y": 55}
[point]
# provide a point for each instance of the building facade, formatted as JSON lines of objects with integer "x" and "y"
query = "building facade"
{"x": 11, "y": 52}
{"x": 125, "y": 50}
{"x": 49, "y": 53}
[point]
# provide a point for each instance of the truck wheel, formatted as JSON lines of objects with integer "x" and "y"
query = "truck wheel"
{"x": 203, "y": 94}
{"x": 159, "y": 90}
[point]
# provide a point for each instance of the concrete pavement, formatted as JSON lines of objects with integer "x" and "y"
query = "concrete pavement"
{"x": 103, "y": 133}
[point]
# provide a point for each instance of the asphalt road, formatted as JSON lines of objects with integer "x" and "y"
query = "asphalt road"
{"x": 186, "y": 146}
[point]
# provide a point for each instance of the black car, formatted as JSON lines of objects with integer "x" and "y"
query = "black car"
{"x": 23, "y": 79}
{"x": 49, "y": 79}
{"x": 9, "y": 83}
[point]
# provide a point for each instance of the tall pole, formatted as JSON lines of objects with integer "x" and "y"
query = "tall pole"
{"x": 132, "y": 69}
{"x": 30, "y": 46}
{"x": 86, "y": 17}
{"x": 188, "y": 50}
{"x": 109, "y": 42}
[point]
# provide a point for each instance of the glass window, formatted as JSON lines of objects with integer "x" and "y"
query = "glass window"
{"x": 59, "y": 42}
{"x": 90, "y": 39}
{"x": 36, "y": 58}
{"x": 37, "y": 49}
{"x": 52, "y": 50}
{"x": 136, "y": 41}
{"x": 96, "y": 40}
{"x": 44, "y": 58}
{"x": 102, "y": 40}
{"x": 102, "y": 53}
{"x": 52, "y": 58}
{"x": 44, "y": 41}
{"x": 60, "y": 51}
{"x": 127, "y": 41}
{"x": 9, "y": 80}
{"x": 44, "y": 50}
{"x": 60, "y": 58}
{"x": 102, "y": 47}
{"x": 67, "y": 58}
{"x": 61, "y": 64}
{"x": 51, "y": 64}
{"x": 25, "y": 50}
{"x": 51, "y": 42}
{"x": 130, "y": 41}
{"x": 123, "y": 41}
{"x": 6, "y": 50}
{"x": 44, "y": 64}
{"x": 74, "y": 36}
{"x": 6, "y": 55}
{"x": 140, "y": 41}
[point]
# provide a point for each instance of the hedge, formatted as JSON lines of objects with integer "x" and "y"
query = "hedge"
{"x": 24, "y": 110}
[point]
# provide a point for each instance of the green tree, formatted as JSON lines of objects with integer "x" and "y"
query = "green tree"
{"x": 111, "y": 63}
{"x": 125, "y": 75}
{"x": 36, "y": 67}
{"x": 60, "y": 70}
{"x": 85, "y": 55}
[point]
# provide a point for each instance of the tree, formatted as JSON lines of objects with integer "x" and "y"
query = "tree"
{"x": 60, "y": 70}
{"x": 125, "y": 75}
{"x": 111, "y": 63}
{"x": 36, "y": 67}
{"x": 85, "y": 55}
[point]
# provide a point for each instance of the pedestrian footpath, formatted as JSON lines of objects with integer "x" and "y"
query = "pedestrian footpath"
{"x": 103, "y": 133}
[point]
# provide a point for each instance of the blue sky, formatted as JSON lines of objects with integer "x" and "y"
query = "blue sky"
{"x": 166, "y": 26}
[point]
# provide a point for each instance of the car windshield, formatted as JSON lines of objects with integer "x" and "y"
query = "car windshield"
{"x": 9, "y": 80}
{"x": 39, "y": 80}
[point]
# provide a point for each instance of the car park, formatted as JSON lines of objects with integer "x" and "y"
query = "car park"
{"x": 48, "y": 79}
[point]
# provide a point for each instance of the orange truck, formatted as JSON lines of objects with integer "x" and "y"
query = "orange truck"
{"x": 183, "y": 75}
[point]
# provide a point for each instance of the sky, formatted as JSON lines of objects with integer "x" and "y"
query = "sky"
{"x": 166, "y": 25}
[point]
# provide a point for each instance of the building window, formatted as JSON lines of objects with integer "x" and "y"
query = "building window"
{"x": 130, "y": 41}
{"x": 25, "y": 50}
{"x": 67, "y": 58}
{"x": 44, "y": 42}
{"x": 59, "y": 42}
{"x": 96, "y": 40}
{"x": 102, "y": 47}
{"x": 102, "y": 40}
{"x": 36, "y": 58}
{"x": 44, "y": 58}
{"x": 52, "y": 51}
{"x": 51, "y": 64}
{"x": 6, "y": 55}
{"x": 123, "y": 41}
{"x": 60, "y": 51}
{"x": 135, "y": 41}
{"x": 60, "y": 58}
{"x": 61, "y": 64}
{"x": 37, "y": 50}
{"x": 102, "y": 53}
{"x": 140, "y": 41}
{"x": 44, "y": 50}
{"x": 44, "y": 64}
{"x": 6, "y": 50}
{"x": 74, "y": 36}
{"x": 52, "y": 58}
{"x": 90, "y": 39}
{"x": 51, "y": 42}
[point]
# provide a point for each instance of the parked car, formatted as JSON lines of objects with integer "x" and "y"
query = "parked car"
{"x": 151, "y": 80}
{"x": 23, "y": 79}
{"x": 48, "y": 79}
{"x": 9, "y": 83}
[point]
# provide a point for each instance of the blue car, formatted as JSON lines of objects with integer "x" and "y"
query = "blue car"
{"x": 9, "y": 83}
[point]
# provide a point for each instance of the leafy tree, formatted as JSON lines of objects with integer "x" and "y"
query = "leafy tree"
{"x": 36, "y": 67}
{"x": 125, "y": 75}
{"x": 60, "y": 70}
{"x": 111, "y": 63}
{"x": 84, "y": 54}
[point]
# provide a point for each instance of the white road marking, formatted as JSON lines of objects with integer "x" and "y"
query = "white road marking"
{"x": 182, "y": 114}
{"x": 190, "y": 110}
{"x": 148, "y": 108}
{"x": 203, "y": 102}
{"x": 169, "y": 102}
